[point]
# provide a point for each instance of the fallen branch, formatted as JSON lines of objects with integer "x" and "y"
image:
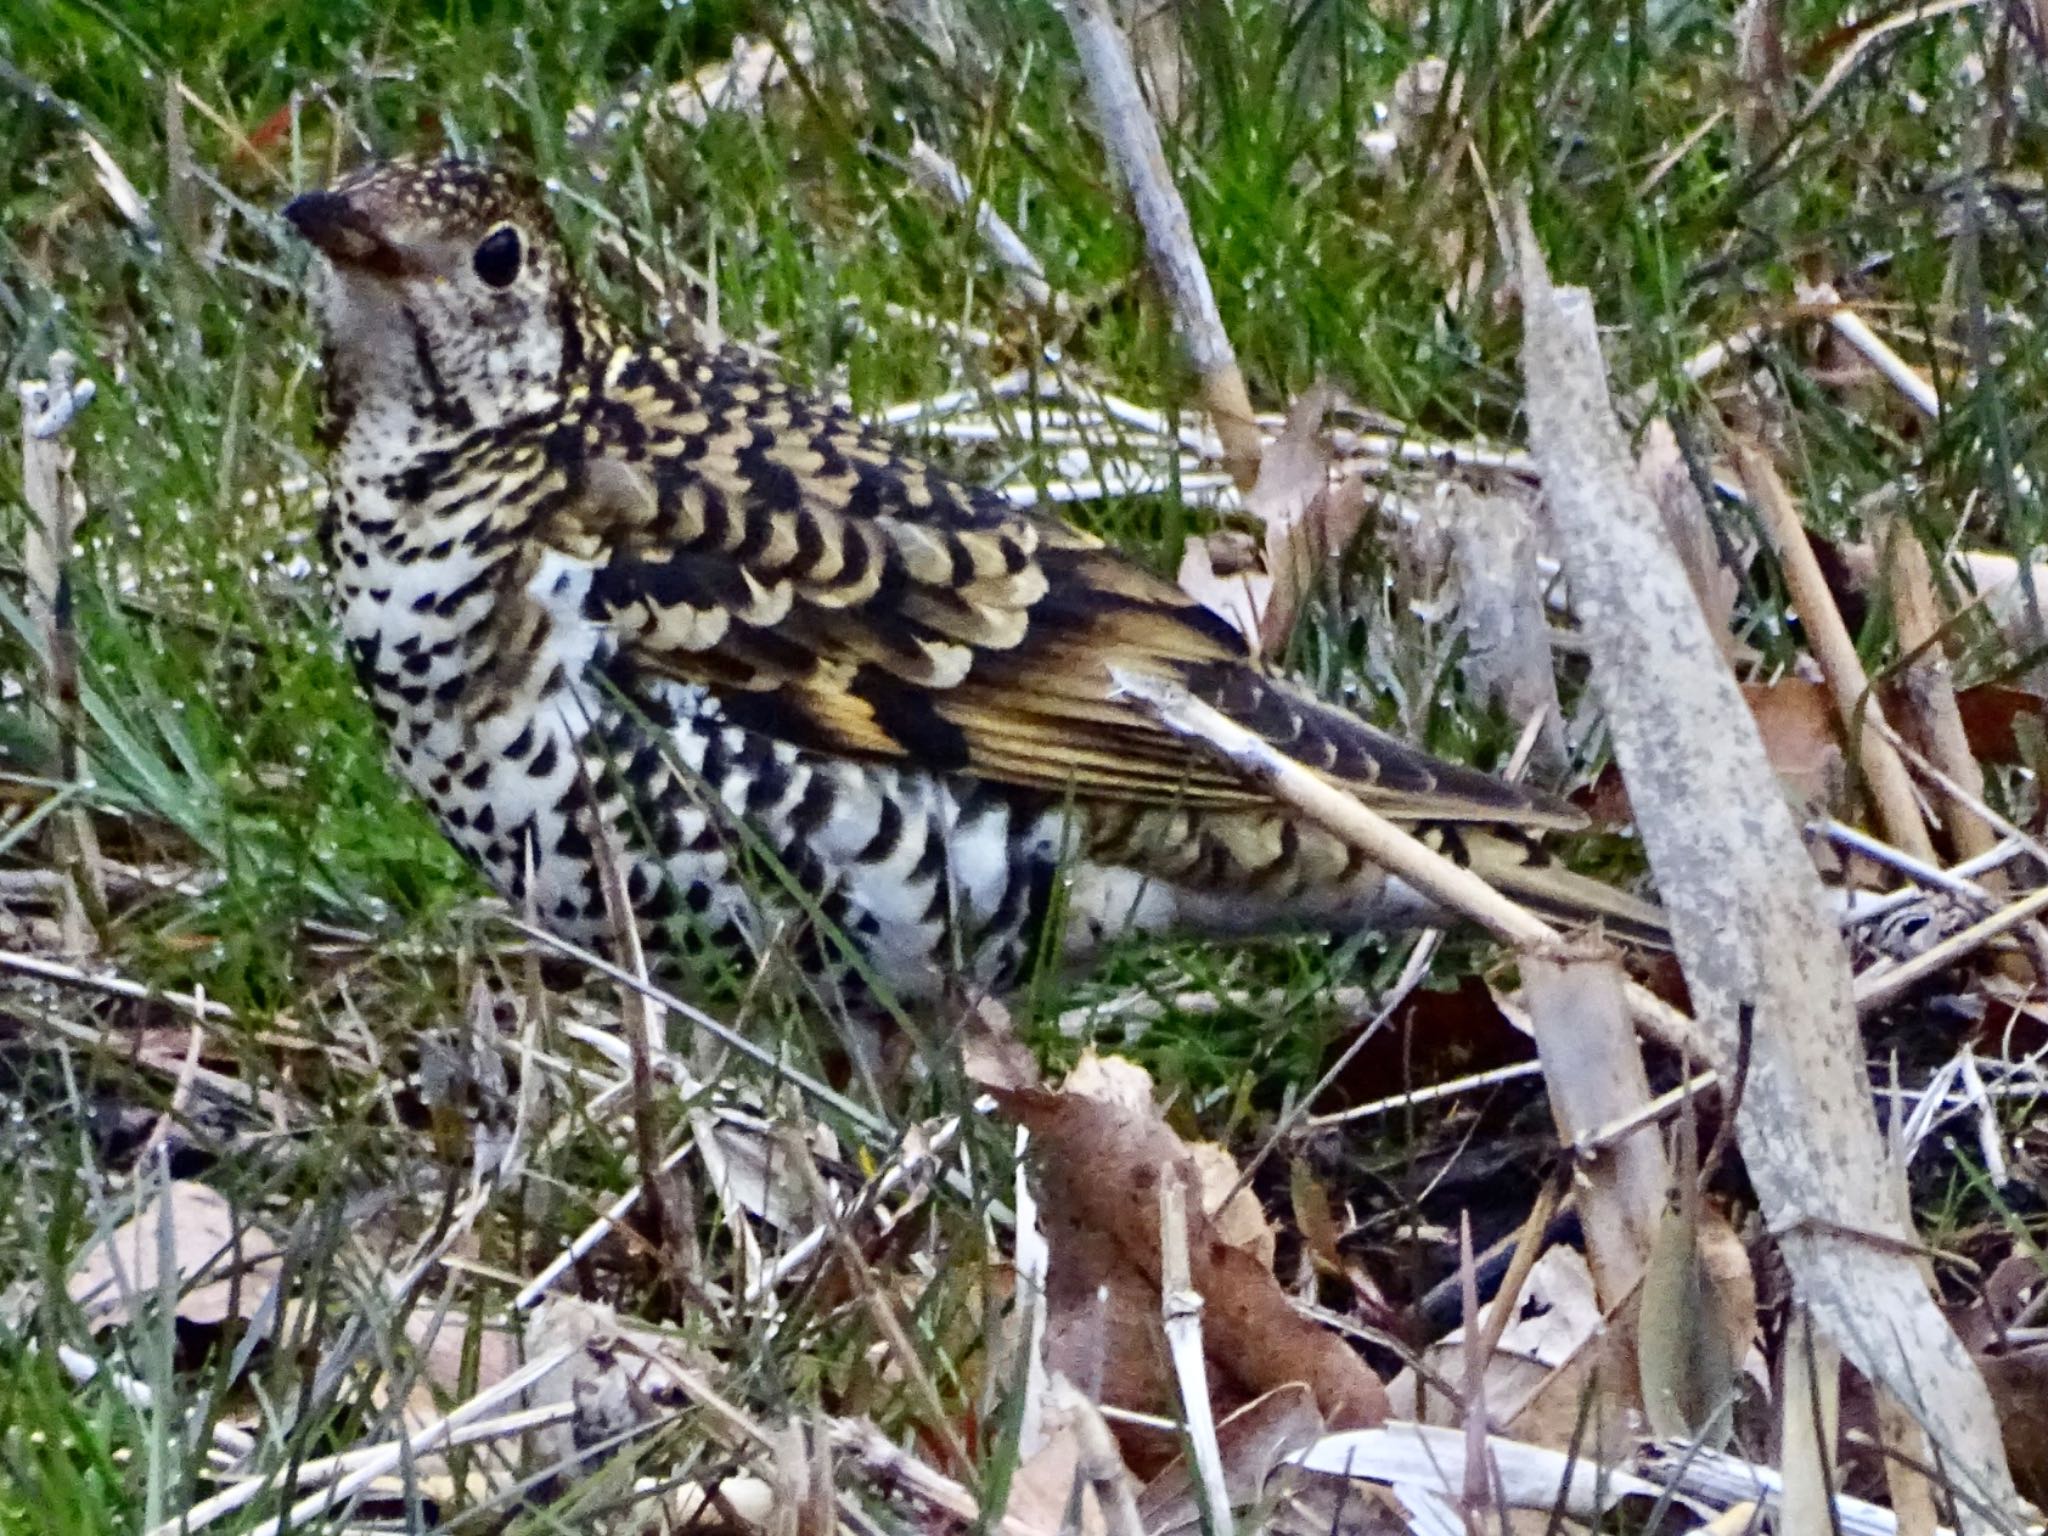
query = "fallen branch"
{"x": 1766, "y": 970}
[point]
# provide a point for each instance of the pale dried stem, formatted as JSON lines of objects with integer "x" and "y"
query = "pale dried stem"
{"x": 1963, "y": 795}
{"x": 1102, "y": 1464}
{"x": 1888, "y": 985}
{"x": 1507, "y": 1296}
{"x": 1450, "y": 1088}
{"x": 1809, "y": 1427}
{"x": 373, "y": 1464}
{"x": 228, "y": 1441}
{"x": 891, "y": 1464}
{"x": 1033, "y": 1262}
{"x": 642, "y": 1020}
{"x": 1906, "y": 1457}
{"x": 1180, "y": 1306}
{"x": 1475, "y": 1495}
{"x": 903, "y": 1167}
{"x": 1451, "y": 886}
{"x": 1961, "y": 877}
{"x": 325, "y": 1469}
{"x": 1020, "y": 264}
{"x": 1390, "y": 848}
{"x": 1891, "y": 790}
{"x": 1600, "y": 1138}
{"x": 724, "y": 1033}
{"x": 1916, "y": 608}
{"x": 536, "y": 1289}
{"x": 48, "y": 407}
{"x": 1852, "y": 328}
{"x": 1930, "y": 876}
{"x": 1594, "y": 1071}
{"x": 1133, "y": 143}
{"x": 1766, "y": 969}
{"x": 193, "y": 1003}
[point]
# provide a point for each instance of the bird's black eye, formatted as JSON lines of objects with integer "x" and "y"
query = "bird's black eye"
{"x": 497, "y": 256}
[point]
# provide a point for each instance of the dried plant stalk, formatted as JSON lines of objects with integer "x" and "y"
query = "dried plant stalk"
{"x": 1917, "y": 610}
{"x": 47, "y": 409}
{"x": 1133, "y": 143}
{"x": 1594, "y": 1071}
{"x": 1019, "y": 262}
{"x": 1765, "y": 967}
{"x": 1898, "y": 811}
{"x": 1181, "y": 1311}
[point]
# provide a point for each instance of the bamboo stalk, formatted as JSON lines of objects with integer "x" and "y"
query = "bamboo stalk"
{"x": 1891, "y": 789}
{"x": 1917, "y": 610}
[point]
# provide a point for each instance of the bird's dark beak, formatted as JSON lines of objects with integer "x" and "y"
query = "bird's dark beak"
{"x": 341, "y": 232}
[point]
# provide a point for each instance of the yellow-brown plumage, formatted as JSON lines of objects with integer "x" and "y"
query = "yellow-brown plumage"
{"x": 641, "y": 546}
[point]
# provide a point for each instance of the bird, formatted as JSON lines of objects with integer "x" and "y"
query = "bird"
{"x": 647, "y": 612}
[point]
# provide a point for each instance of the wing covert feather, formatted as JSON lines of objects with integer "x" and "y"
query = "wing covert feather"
{"x": 843, "y": 596}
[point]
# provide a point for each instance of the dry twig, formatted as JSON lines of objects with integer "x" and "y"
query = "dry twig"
{"x": 1019, "y": 262}
{"x": 48, "y": 407}
{"x": 1180, "y": 1306}
{"x": 1133, "y": 143}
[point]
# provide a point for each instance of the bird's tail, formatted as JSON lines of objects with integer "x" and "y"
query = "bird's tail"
{"x": 1521, "y": 869}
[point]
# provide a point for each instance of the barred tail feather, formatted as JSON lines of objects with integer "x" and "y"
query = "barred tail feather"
{"x": 1523, "y": 872}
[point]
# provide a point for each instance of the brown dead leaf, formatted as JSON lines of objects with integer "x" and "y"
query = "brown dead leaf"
{"x": 990, "y": 1053}
{"x": 1311, "y": 1207}
{"x": 1309, "y": 518}
{"x": 1294, "y": 473}
{"x": 1043, "y": 1485}
{"x": 1239, "y": 1218}
{"x": 2018, "y": 1380}
{"x": 1995, "y": 718}
{"x": 1239, "y": 593}
{"x": 1100, "y": 1161}
{"x": 1797, "y": 719}
{"x": 1802, "y": 739}
{"x": 194, "y": 1228}
{"x": 1306, "y": 518}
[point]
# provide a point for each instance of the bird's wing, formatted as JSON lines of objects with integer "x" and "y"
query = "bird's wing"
{"x": 836, "y": 594}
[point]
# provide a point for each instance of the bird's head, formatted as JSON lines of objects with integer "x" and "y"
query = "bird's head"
{"x": 447, "y": 297}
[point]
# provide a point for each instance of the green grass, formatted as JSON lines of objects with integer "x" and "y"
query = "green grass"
{"x": 225, "y": 735}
